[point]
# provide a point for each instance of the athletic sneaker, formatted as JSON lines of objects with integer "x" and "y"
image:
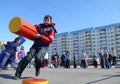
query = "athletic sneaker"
{"x": 16, "y": 78}
{"x": 4, "y": 68}
{"x": 37, "y": 73}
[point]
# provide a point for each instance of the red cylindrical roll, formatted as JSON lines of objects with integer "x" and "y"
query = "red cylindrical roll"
{"x": 21, "y": 27}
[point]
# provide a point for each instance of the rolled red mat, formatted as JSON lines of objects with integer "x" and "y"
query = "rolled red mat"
{"x": 21, "y": 27}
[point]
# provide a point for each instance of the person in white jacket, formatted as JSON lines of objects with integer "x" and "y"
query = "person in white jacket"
{"x": 83, "y": 59}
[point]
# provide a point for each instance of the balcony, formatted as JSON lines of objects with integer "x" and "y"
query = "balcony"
{"x": 87, "y": 33}
{"x": 118, "y": 32}
{"x": 88, "y": 37}
{"x": 117, "y": 45}
{"x": 117, "y": 29}
{"x": 102, "y": 32}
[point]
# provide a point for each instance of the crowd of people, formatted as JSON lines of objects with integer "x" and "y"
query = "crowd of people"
{"x": 107, "y": 58}
{"x": 104, "y": 57}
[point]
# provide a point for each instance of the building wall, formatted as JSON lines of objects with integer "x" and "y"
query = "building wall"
{"x": 89, "y": 39}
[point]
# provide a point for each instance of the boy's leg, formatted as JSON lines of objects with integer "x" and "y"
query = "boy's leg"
{"x": 4, "y": 61}
{"x": 38, "y": 63}
{"x": 2, "y": 56}
{"x": 14, "y": 64}
{"x": 23, "y": 63}
{"x": 6, "y": 64}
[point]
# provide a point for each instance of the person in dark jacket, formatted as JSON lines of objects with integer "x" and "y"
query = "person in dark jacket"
{"x": 63, "y": 59}
{"x": 95, "y": 60}
{"x": 9, "y": 54}
{"x": 45, "y": 36}
{"x": 74, "y": 60}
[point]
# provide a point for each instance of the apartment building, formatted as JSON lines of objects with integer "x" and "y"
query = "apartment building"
{"x": 89, "y": 39}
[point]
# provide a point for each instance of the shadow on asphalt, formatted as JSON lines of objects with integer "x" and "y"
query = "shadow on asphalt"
{"x": 10, "y": 76}
{"x": 26, "y": 77}
{"x": 103, "y": 79}
{"x": 7, "y": 76}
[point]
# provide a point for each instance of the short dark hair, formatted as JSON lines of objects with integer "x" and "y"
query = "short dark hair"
{"x": 47, "y": 17}
{"x": 16, "y": 39}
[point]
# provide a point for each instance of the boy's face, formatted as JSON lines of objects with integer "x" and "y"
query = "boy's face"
{"x": 47, "y": 21}
{"x": 19, "y": 41}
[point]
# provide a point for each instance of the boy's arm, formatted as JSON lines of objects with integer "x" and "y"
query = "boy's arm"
{"x": 48, "y": 39}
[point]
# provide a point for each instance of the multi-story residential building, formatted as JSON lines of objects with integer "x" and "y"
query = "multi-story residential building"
{"x": 89, "y": 39}
{"x": 117, "y": 40}
{"x": 59, "y": 44}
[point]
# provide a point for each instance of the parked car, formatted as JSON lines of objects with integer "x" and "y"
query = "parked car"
{"x": 90, "y": 61}
{"x": 117, "y": 63}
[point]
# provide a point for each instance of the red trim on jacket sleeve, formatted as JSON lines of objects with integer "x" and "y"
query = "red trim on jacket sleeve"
{"x": 37, "y": 26}
{"x": 48, "y": 39}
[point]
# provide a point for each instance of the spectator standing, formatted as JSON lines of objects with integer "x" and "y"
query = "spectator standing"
{"x": 53, "y": 61}
{"x": 109, "y": 59}
{"x": 68, "y": 59}
{"x": 113, "y": 53}
{"x": 57, "y": 59}
{"x": 105, "y": 58}
{"x": 21, "y": 53}
{"x": 95, "y": 60}
{"x": 74, "y": 60}
{"x": 100, "y": 55}
{"x": 63, "y": 60}
{"x": 83, "y": 59}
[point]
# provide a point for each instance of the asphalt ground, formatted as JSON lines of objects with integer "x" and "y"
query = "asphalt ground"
{"x": 66, "y": 76}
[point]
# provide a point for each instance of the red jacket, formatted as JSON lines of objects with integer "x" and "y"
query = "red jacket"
{"x": 47, "y": 33}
